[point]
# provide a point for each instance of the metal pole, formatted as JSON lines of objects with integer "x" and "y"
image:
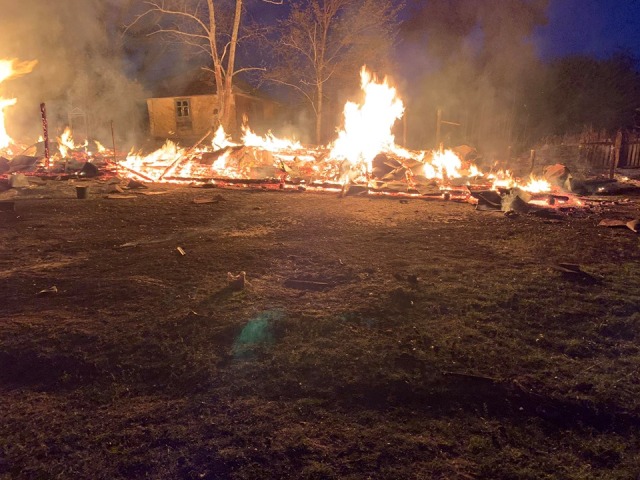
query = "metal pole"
{"x": 45, "y": 133}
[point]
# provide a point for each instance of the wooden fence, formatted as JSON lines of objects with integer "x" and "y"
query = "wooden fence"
{"x": 619, "y": 151}
{"x": 596, "y": 151}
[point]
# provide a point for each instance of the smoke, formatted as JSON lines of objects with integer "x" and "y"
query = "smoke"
{"x": 82, "y": 71}
{"x": 477, "y": 57}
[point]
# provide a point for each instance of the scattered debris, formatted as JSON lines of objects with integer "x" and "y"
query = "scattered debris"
{"x": 47, "y": 292}
{"x": 181, "y": 251}
{"x": 487, "y": 200}
{"x": 572, "y": 271}
{"x": 236, "y": 282}
{"x": 89, "y": 170}
{"x": 113, "y": 188}
{"x": 134, "y": 184}
{"x": 558, "y": 175}
{"x": 116, "y": 196}
{"x": 306, "y": 284}
{"x": 513, "y": 202}
{"x": 18, "y": 180}
{"x": 8, "y": 194}
{"x": 613, "y": 223}
{"x": 36, "y": 180}
{"x": 23, "y": 162}
{"x": 151, "y": 193}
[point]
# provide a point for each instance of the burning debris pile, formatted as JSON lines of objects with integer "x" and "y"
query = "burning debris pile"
{"x": 363, "y": 160}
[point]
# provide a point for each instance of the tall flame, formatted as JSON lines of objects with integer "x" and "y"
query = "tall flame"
{"x": 367, "y": 127}
{"x": 10, "y": 69}
{"x": 66, "y": 142}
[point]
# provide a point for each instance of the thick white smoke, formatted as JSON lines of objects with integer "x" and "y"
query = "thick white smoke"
{"x": 81, "y": 68}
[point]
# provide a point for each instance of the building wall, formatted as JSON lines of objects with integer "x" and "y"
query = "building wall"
{"x": 162, "y": 116}
{"x": 163, "y": 121}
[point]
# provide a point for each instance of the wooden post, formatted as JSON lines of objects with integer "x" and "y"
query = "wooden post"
{"x": 113, "y": 140}
{"x": 404, "y": 129}
{"x": 45, "y": 133}
{"x": 615, "y": 158}
{"x": 532, "y": 161}
{"x": 438, "y": 123}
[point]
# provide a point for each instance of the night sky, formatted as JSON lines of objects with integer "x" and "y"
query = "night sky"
{"x": 591, "y": 27}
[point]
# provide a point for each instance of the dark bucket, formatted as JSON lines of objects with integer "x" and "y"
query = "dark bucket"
{"x": 82, "y": 192}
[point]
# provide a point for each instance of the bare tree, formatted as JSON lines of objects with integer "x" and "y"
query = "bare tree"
{"x": 323, "y": 43}
{"x": 210, "y": 27}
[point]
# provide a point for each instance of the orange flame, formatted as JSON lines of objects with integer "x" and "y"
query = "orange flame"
{"x": 10, "y": 69}
{"x": 367, "y": 127}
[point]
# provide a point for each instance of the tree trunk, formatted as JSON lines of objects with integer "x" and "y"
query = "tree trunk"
{"x": 217, "y": 66}
{"x": 229, "y": 104}
{"x": 319, "y": 113}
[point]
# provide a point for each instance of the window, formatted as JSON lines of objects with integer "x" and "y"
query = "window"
{"x": 183, "y": 109}
{"x": 183, "y": 115}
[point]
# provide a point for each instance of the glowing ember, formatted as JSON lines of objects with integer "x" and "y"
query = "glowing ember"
{"x": 367, "y": 127}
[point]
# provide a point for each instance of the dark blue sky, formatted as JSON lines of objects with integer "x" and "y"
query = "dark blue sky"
{"x": 591, "y": 27}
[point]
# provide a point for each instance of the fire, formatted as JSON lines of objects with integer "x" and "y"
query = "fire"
{"x": 367, "y": 127}
{"x": 155, "y": 164}
{"x": 504, "y": 179}
{"x": 5, "y": 139}
{"x": 66, "y": 143}
{"x": 536, "y": 185}
{"x": 221, "y": 139}
{"x": 268, "y": 142}
{"x": 10, "y": 69}
{"x": 446, "y": 165}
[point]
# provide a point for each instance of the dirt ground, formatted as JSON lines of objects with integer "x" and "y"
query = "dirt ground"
{"x": 373, "y": 338}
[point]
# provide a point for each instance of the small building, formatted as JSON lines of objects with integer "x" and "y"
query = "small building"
{"x": 184, "y": 111}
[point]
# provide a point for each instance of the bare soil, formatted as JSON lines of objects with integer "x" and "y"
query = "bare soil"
{"x": 374, "y": 338}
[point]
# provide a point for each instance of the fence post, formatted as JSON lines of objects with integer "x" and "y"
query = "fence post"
{"x": 616, "y": 154}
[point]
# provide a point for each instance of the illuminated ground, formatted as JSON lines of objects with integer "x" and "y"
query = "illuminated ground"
{"x": 436, "y": 341}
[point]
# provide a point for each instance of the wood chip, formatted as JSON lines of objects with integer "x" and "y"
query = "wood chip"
{"x": 145, "y": 192}
{"x": 306, "y": 285}
{"x": 120, "y": 197}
